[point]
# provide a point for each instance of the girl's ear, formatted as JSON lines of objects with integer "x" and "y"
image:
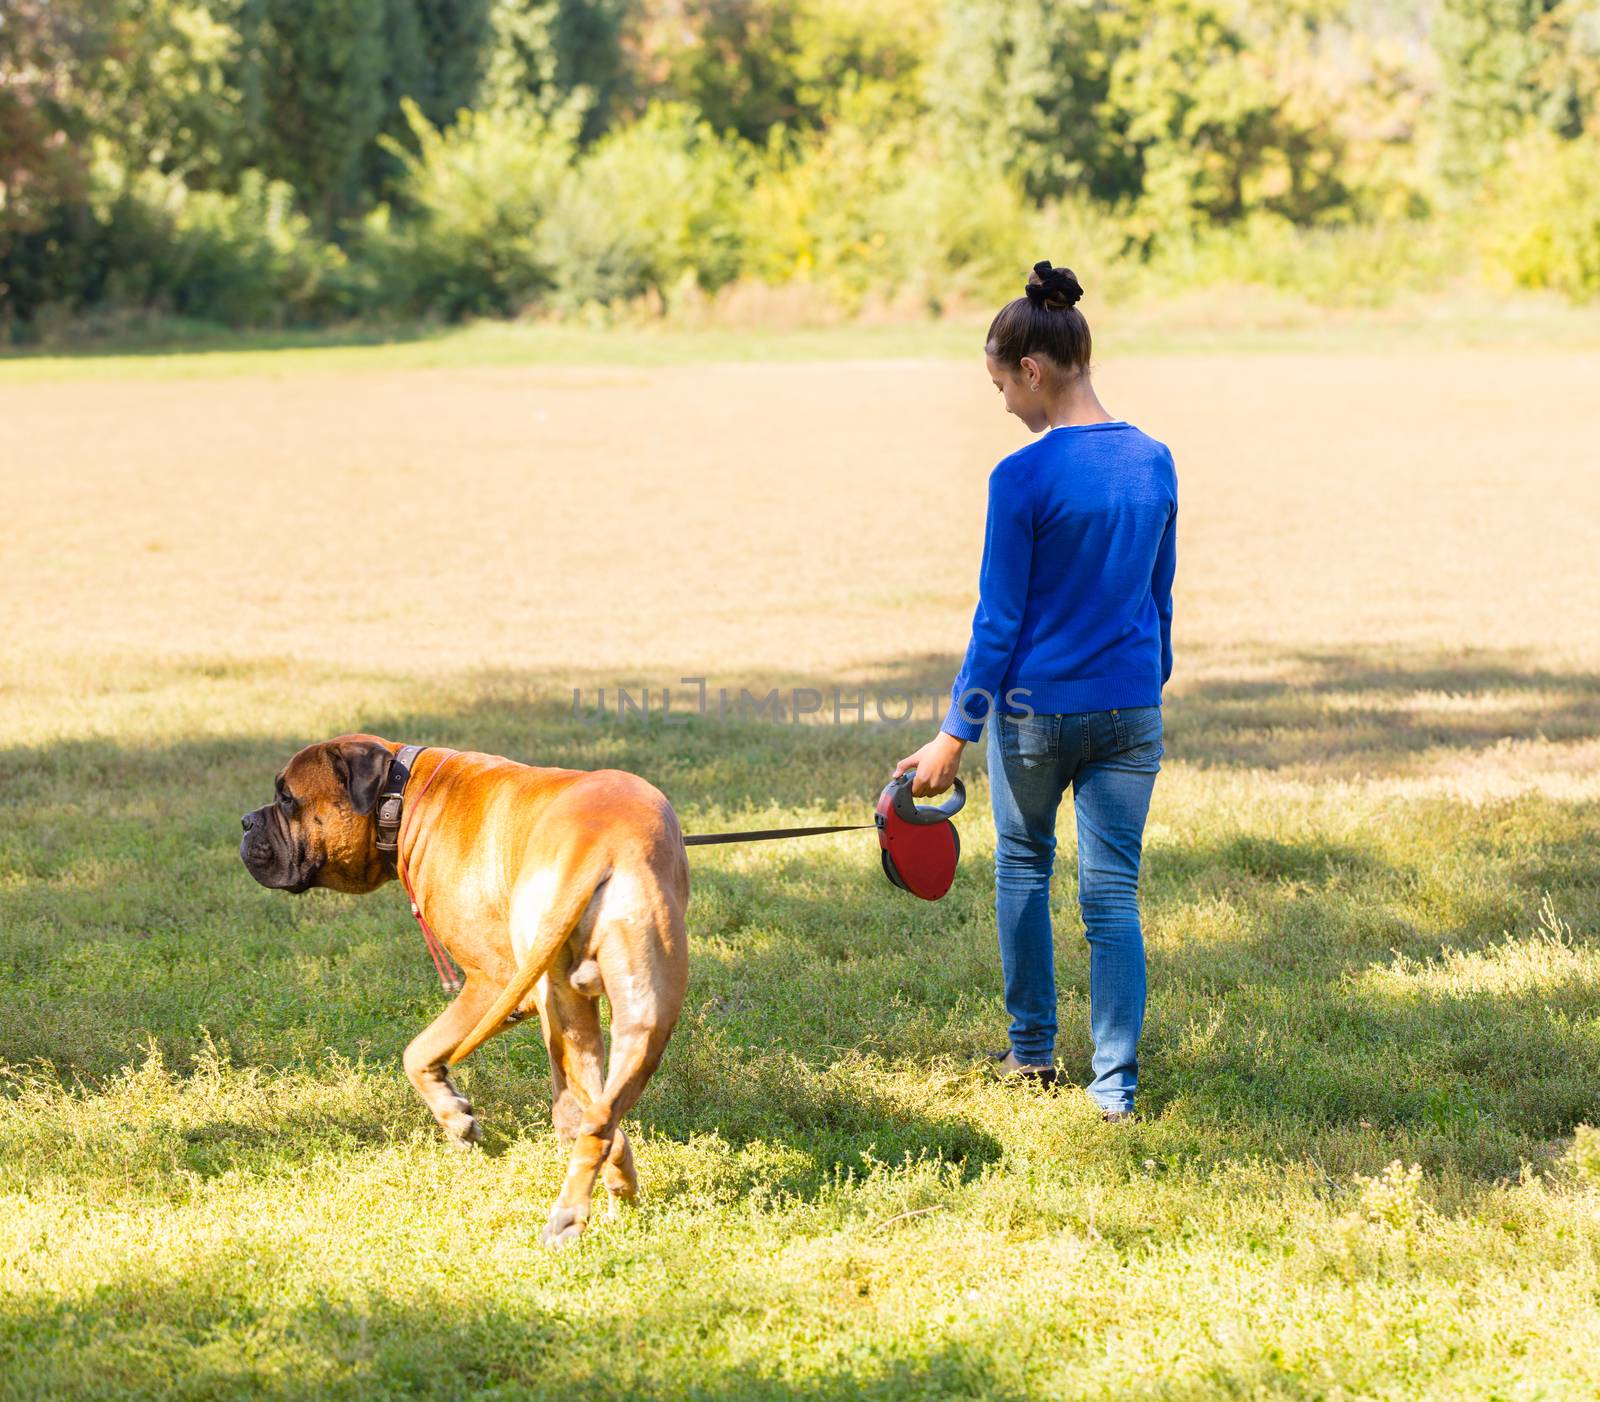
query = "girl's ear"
{"x": 1032, "y": 373}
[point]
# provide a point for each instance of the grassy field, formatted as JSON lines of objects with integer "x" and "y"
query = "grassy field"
{"x": 1372, "y": 882}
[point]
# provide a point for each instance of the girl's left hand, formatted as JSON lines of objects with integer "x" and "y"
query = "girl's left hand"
{"x": 936, "y": 764}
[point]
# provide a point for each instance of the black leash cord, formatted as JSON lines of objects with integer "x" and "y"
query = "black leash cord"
{"x": 711, "y": 838}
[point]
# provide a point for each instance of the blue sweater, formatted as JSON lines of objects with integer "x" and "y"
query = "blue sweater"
{"x": 1075, "y": 590}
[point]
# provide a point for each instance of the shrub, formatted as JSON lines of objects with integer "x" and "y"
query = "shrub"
{"x": 950, "y": 234}
{"x": 1342, "y": 265}
{"x": 246, "y": 259}
{"x": 813, "y": 213}
{"x": 646, "y": 207}
{"x": 868, "y": 209}
{"x": 1543, "y": 225}
{"x": 477, "y": 194}
{"x": 1393, "y": 1198}
{"x": 148, "y": 242}
{"x": 1583, "y": 1158}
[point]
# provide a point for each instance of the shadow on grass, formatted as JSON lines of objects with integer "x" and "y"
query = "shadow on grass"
{"x": 1321, "y": 713}
{"x": 176, "y": 336}
{"x": 126, "y": 916}
{"x": 140, "y": 1335}
{"x": 1330, "y": 714}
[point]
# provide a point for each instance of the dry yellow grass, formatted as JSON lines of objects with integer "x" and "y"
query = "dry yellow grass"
{"x": 806, "y": 517}
{"x": 807, "y": 523}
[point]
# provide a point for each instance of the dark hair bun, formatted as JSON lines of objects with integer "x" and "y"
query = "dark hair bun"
{"x": 1054, "y": 289}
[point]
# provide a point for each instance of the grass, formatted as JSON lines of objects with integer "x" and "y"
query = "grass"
{"x": 1219, "y": 320}
{"x": 1371, "y": 898}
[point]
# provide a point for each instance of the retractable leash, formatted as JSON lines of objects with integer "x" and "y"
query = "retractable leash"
{"x": 920, "y": 845}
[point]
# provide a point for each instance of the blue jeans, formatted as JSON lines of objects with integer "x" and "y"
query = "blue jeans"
{"x": 1110, "y": 758}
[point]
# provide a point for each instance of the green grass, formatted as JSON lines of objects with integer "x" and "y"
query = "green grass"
{"x": 217, "y": 1182}
{"x": 1221, "y": 320}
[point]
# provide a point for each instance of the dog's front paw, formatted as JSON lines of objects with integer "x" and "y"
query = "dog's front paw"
{"x": 564, "y": 1227}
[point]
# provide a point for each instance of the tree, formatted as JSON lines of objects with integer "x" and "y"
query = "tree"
{"x": 1489, "y": 55}
{"x": 43, "y": 44}
{"x": 454, "y": 37}
{"x": 1569, "y": 67}
{"x": 163, "y": 95}
{"x": 323, "y": 100}
{"x": 1023, "y": 84}
{"x": 555, "y": 54}
{"x": 1223, "y": 114}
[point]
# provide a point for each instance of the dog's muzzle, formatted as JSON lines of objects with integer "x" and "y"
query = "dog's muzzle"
{"x": 268, "y": 862}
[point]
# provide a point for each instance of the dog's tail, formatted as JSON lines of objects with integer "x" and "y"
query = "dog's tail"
{"x": 574, "y": 890}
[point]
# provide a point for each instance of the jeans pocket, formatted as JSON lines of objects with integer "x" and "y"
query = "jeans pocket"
{"x": 1142, "y": 735}
{"x": 1029, "y": 741}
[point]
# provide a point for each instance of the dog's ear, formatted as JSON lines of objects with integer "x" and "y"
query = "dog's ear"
{"x": 362, "y": 766}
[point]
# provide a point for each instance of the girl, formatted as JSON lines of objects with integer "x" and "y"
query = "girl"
{"x": 1071, "y": 646}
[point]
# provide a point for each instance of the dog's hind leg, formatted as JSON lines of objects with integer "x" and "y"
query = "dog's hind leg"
{"x": 645, "y": 1003}
{"x": 571, "y": 1026}
{"x": 427, "y": 1057}
{"x": 570, "y": 1018}
{"x": 642, "y": 951}
{"x": 636, "y": 1049}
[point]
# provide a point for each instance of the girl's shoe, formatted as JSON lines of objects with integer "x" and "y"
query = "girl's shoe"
{"x": 1008, "y": 1068}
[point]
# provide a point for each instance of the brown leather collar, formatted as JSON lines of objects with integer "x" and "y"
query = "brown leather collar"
{"x": 391, "y": 799}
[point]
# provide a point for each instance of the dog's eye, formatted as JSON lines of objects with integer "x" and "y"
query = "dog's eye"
{"x": 286, "y": 800}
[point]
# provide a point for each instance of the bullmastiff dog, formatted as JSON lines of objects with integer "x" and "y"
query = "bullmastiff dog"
{"x": 549, "y": 887}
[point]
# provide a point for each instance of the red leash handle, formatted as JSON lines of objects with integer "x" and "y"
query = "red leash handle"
{"x": 449, "y": 977}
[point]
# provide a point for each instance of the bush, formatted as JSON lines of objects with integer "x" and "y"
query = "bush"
{"x": 813, "y": 213}
{"x": 477, "y": 196}
{"x": 868, "y": 209}
{"x": 647, "y": 207}
{"x": 1543, "y": 225}
{"x": 1583, "y": 1158}
{"x": 149, "y": 243}
{"x": 1355, "y": 264}
{"x": 245, "y": 259}
{"x": 951, "y": 234}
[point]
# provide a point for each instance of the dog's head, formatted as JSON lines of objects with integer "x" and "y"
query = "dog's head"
{"x": 320, "y": 829}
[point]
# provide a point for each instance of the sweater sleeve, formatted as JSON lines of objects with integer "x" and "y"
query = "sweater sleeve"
{"x": 1161, "y": 588}
{"x": 1002, "y": 594}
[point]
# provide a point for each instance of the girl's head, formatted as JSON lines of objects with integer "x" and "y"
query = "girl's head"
{"x": 1039, "y": 344}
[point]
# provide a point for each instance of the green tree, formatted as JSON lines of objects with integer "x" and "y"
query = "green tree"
{"x": 753, "y": 66}
{"x": 848, "y": 55}
{"x": 732, "y": 60}
{"x": 1489, "y": 56}
{"x": 44, "y": 44}
{"x": 553, "y": 55}
{"x": 1211, "y": 129}
{"x": 1022, "y": 85}
{"x": 164, "y": 95}
{"x": 455, "y": 36}
{"x": 1569, "y": 67}
{"x": 322, "y": 78}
